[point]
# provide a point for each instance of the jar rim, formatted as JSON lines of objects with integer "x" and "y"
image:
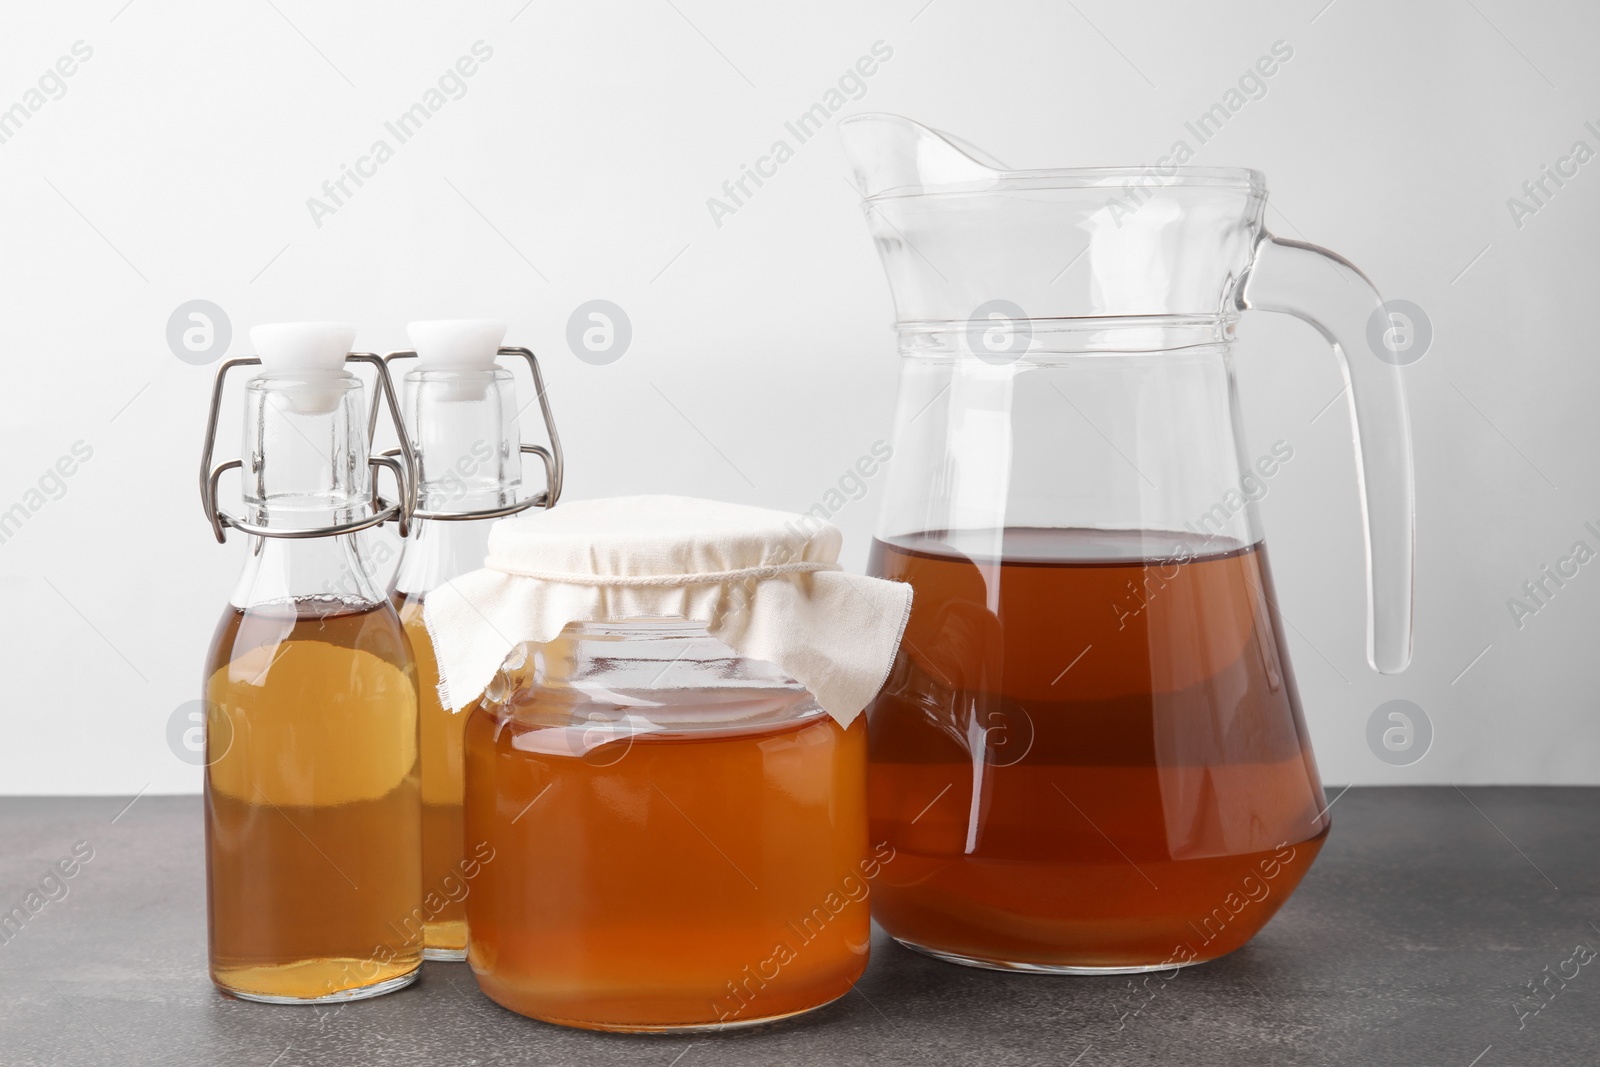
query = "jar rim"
{"x": 656, "y": 627}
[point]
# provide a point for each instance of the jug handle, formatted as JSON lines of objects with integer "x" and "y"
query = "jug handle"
{"x": 1298, "y": 279}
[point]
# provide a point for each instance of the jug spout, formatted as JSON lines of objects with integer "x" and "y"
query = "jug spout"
{"x": 962, "y": 236}
{"x": 891, "y": 155}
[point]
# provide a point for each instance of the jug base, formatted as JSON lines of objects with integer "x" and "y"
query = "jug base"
{"x": 1039, "y": 968}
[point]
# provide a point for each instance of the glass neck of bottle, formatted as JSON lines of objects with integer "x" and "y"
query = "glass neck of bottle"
{"x": 463, "y": 427}
{"x": 305, "y": 448}
{"x": 439, "y": 550}
{"x": 306, "y": 468}
{"x": 337, "y": 569}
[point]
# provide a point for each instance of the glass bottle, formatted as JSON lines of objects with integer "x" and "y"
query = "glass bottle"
{"x": 1091, "y": 755}
{"x": 671, "y": 836}
{"x": 312, "y": 811}
{"x": 461, "y": 416}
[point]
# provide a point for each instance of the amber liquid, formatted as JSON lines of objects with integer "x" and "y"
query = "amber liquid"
{"x": 444, "y": 865}
{"x": 1090, "y": 753}
{"x": 671, "y": 881}
{"x": 313, "y": 832}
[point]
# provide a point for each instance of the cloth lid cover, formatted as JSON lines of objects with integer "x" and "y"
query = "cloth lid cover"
{"x": 766, "y": 583}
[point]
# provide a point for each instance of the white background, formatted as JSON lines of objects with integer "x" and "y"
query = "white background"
{"x": 577, "y": 166}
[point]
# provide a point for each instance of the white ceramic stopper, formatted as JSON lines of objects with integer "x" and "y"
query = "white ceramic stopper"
{"x": 300, "y": 347}
{"x": 456, "y": 344}
{"x": 307, "y": 351}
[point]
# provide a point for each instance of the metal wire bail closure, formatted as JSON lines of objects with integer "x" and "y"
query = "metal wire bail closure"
{"x": 383, "y": 510}
{"x": 550, "y": 457}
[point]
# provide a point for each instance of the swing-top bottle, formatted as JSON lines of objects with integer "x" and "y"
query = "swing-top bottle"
{"x": 312, "y": 807}
{"x": 461, "y": 414}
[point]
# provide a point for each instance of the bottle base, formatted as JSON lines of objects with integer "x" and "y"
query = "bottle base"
{"x": 1043, "y": 968}
{"x": 446, "y": 955}
{"x": 445, "y": 939}
{"x": 376, "y": 989}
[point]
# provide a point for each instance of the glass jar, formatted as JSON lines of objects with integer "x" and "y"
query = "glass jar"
{"x": 669, "y": 835}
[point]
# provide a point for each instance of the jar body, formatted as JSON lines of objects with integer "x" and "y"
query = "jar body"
{"x": 686, "y": 854}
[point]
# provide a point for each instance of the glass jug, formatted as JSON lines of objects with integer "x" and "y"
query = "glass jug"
{"x": 1090, "y": 754}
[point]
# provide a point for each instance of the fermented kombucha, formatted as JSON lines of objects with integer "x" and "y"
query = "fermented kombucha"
{"x": 311, "y": 802}
{"x": 443, "y": 883}
{"x": 1090, "y": 754}
{"x": 710, "y": 869}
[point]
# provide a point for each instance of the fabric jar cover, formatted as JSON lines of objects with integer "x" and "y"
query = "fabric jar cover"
{"x": 766, "y": 583}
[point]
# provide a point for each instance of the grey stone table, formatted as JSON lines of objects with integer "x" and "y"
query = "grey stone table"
{"x": 1414, "y": 940}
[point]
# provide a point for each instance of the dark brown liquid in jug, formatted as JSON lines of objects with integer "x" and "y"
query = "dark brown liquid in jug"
{"x": 1090, "y": 753}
